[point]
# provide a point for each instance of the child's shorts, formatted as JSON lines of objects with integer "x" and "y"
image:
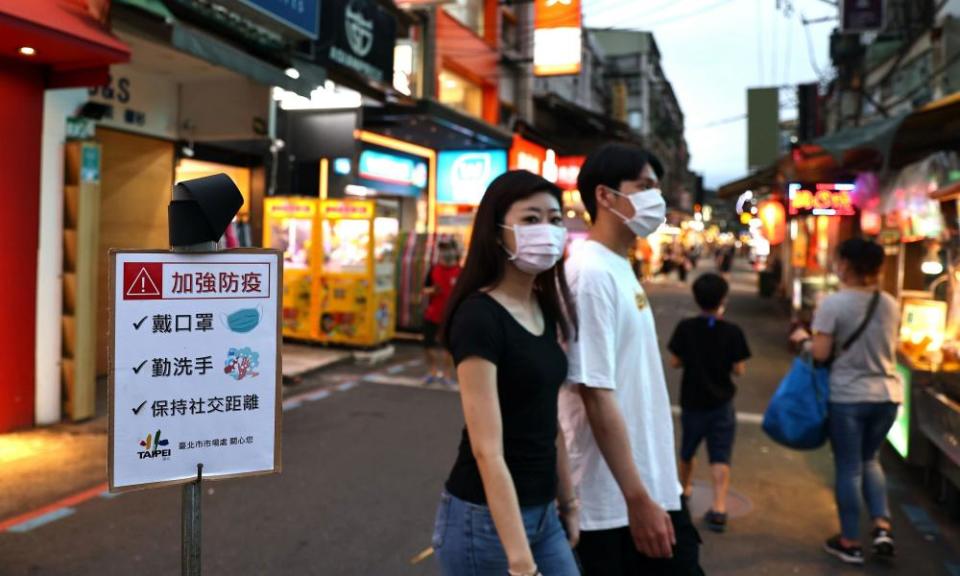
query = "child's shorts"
{"x": 718, "y": 426}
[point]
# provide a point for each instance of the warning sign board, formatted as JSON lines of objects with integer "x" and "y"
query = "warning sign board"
{"x": 142, "y": 280}
{"x": 194, "y": 366}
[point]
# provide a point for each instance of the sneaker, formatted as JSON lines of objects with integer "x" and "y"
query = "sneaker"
{"x": 883, "y": 542}
{"x": 847, "y": 554}
{"x": 716, "y": 521}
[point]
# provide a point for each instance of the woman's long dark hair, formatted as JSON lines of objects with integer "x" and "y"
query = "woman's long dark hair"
{"x": 487, "y": 260}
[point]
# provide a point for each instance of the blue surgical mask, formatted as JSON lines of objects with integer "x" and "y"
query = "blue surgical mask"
{"x": 244, "y": 320}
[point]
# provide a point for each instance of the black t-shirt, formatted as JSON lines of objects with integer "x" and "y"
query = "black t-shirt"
{"x": 530, "y": 371}
{"x": 708, "y": 348}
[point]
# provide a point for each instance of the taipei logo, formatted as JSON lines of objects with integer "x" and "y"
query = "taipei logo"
{"x": 154, "y": 447}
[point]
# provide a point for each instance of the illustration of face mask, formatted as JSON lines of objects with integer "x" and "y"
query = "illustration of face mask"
{"x": 244, "y": 320}
{"x": 649, "y": 211}
{"x": 539, "y": 246}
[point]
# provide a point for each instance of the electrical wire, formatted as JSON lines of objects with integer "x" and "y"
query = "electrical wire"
{"x": 760, "y": 42}
{"x": 810, "y": 51}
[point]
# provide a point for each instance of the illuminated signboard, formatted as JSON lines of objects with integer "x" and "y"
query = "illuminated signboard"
{"x": 392, "y": 173}
{"x": 525, "y": 155}
{"x": 568, "y": 170}
{"x": 557, "y": 37}
{"x": 831, "y": 199}
{"x": 463, "y": 177}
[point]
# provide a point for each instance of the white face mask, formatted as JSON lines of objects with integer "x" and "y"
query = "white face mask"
{"x": 649, "y": 211}
{"x": 539, "y": 246}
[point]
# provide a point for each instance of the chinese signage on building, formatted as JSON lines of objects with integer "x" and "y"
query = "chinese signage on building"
{"x": 139, "y": 102}
{"x": 298, "y": 16}
{"x": 463, "y": 177}
{"x": 195, "y": 366}
{"x": 361, "y": 37}
{"x": 557, "y": 37}
{"x": 830, "y": 199}
{"x": 396, "y": 174}
{"x": 861, "y": 15}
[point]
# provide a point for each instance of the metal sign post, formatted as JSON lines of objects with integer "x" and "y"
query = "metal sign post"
{"x": 191, "y": 495}
{"x": 195, "y": 367}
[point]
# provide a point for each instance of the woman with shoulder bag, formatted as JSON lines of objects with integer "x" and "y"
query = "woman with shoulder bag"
{"x": 865, "y": 390}
{"x": 510, "y": 487}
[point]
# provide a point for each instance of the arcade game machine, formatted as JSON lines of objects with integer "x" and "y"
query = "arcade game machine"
{"x": 289, "y": 226}
{"x": 338, "y": 276}
{"x": 356, "y": 295}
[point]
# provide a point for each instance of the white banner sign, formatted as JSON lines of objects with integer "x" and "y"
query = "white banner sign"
{"x": 195, "y": 366}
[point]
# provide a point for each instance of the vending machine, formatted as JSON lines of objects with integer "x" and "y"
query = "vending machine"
{"x": 339, "y": 267}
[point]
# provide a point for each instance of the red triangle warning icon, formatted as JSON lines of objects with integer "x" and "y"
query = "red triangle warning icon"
{"x": 142, "y": 280}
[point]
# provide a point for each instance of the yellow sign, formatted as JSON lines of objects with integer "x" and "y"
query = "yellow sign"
{"x": 291, "y": 207}
{"x": 353, "y": 209}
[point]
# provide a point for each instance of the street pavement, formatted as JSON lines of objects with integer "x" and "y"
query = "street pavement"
{"x": 365, "y": 453}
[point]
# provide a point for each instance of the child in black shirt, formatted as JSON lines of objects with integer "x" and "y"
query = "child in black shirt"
{"x": 710, "y": 350}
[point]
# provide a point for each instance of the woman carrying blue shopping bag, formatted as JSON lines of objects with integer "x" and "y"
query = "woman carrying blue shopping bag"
{"x": 864, "y": 393}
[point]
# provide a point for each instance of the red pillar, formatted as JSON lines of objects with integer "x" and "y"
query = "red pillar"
{"x": 21, "y": 118}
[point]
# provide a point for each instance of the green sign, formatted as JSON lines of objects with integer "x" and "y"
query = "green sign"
{"x": 899, "y": 435}
{"x": 90, "y": 164}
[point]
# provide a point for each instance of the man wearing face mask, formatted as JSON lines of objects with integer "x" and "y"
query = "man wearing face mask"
{"x": 616, "y": 412}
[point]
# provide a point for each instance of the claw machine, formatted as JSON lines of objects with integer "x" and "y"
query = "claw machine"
{"x": 290, "y": 225}
{"x": 357, "y": 288}
{"x": 339, "y": 266}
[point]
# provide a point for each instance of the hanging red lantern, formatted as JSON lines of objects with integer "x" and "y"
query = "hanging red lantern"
{"x": 871, "y": 223}
{"x": 773, "y": 221}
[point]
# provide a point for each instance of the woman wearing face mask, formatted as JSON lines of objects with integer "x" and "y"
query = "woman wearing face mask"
{"x": 857, "y": 327}
{"x": 499, "y": 512}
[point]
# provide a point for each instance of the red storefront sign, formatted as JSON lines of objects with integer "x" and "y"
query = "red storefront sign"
{"x": 825, "y": 199}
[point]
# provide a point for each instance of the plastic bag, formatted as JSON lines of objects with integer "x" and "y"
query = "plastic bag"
{"x": 797, "y": 414}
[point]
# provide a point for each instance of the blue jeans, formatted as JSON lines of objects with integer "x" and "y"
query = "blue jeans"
{"x": 856, "y": 433}
{"x": 466, "y": 542}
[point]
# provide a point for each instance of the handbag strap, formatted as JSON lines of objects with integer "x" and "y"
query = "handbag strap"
{"x": 871, "y": 308}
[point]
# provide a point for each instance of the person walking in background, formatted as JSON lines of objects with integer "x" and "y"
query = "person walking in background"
{"x": 616, "y": 411}
{"x": 865, "y": 389}
{"x": 725, "y": 260}
{"x": 441, "y": 278}
{"x": 710, "y": 350}
{"x": 510, "y": 487}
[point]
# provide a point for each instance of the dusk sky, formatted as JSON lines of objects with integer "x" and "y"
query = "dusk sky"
{"x": 713, "y": 50}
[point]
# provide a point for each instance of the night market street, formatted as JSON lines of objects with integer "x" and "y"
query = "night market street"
{"x": 365, "y": 452}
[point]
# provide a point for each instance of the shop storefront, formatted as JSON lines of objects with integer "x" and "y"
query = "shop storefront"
{"x": 43, "y": 46}
{"x": 821, "y": 216}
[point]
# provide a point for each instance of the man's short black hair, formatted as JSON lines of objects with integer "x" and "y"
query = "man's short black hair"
{"x": 865, "y": 256}
{"x": 610, "y": 165}
{"x": 709, "y": 291}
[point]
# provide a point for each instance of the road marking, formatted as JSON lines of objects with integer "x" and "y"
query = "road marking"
{"x": 68, "y": 502}
{"x": 297, "y": 401}
{"x": 291, "y": 404}
{"x": 396, "y": 369}
{"x": 921, "y": 520}
{"x": 347, "y": 386}
{"x": 41, "y": 520}
{"x": 421, "y": 556}
{"x": 743, "y": 417}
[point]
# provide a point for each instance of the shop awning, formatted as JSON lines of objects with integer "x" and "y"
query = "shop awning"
{"x": 64, "y": 36}
{"x": 575, "y": 129}
{"x": 434, "y": 125}
{"x": 153, "y": 20}
{"x": 933, "y": 128}
{"x": 206, "y": 47}
{"x": 878, "y": 136}
{"x": 753, "y": 181}
{"x": 896, "y": 141}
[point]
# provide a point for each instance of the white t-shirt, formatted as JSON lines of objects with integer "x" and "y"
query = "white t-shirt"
{"x": 617, "y": 349}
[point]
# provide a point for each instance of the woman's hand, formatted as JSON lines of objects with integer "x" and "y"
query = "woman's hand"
{"x": 570, "y": 518}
